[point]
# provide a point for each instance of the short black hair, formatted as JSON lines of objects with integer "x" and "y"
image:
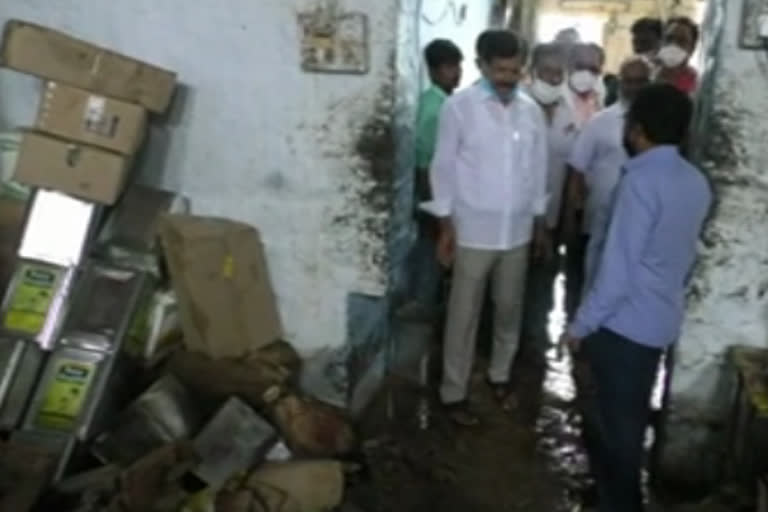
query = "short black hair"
{"x": 545, "y": 50}
{"x": 688, "y": 22}
{"x": 502, "y": 44}
{"x": 482, "y": 39}
{"x": 441, "y": 52}
{"x": 648, "y": 24}
{"x": 663, "y": 112}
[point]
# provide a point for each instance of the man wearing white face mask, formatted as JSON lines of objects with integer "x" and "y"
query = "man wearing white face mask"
{"x": 681, "y": 35}
{"x": 548, "y": 73}
{"x": 585, "y": 61}
{"x": 598, "y": 156}
{"x": 584, "y": 81}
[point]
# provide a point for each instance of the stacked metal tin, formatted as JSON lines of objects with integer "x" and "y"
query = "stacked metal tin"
{"x": 69, "y": 313}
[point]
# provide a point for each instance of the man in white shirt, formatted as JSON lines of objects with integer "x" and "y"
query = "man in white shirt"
{"x": 585, "y": 91}
{"x": 585, "y": 97}
{"x": 489, "y": 179}
{"x": 549, "y": 66}
{"x": 598, "y": 157}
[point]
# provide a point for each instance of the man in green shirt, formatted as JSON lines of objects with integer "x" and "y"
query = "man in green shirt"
{"x": 443, "y": 59}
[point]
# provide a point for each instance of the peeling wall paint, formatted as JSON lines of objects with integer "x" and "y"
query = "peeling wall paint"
{"x": 307, "y": 158}
{"x": 728, "y": 304}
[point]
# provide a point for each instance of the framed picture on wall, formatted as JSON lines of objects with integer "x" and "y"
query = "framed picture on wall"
{"x": 335, "y": 44}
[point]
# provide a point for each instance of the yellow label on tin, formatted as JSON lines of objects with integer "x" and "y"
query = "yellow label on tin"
{"x": 66, "y": 394}
{"x": 228, "y": 268}
{"x": 31, "y": 298}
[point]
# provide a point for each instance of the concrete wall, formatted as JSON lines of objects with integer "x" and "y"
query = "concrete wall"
{"x": 728, "y": 301}
{"x": 307, "y": 158}
{"x": 440, "y": 20}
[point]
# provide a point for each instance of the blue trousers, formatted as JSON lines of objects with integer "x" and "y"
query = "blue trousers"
{"x": 623, "y": 374}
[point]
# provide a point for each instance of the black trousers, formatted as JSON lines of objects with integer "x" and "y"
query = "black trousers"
{"x": 575, "y": 261}
{"x": 623, "y": 374}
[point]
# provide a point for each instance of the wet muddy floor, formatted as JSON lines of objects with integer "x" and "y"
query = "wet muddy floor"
{"x": 527, "y": 461}
{"x": 530, "y": 460}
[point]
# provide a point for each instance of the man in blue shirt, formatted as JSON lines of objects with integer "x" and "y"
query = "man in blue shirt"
{"x": 635, "y": 306}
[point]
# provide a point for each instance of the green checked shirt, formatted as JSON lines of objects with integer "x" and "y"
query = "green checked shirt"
{"x": 430, "y": 103}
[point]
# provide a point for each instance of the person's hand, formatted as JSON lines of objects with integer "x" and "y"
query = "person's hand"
{"x": 569, "y": 343}
{"x": 542, "y": 242}
{"x": 446, "y": 244}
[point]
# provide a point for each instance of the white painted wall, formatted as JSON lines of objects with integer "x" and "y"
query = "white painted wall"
{"x": 439, "y": 19}
{"x": 258, "y": 139}
{"x": 729, "y": 293}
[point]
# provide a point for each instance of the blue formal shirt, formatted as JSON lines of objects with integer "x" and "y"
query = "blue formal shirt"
{"x": 639, "y": 291}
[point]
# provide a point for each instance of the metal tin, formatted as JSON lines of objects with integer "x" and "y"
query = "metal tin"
{"x": 130, "y": 232}
{"x": 21, "y": 362}
{"x": 163, "y": 414}
{"x": 36, "y": 301}
{"x": 71, "y": 380}
{"x": 157, "y": 330}
{"x": 77, "y": 393}
{"x": 104, "y": 307}
{"x": 235, "y": 440}
{"x": 61, "y": 447}
{"x": 57, "y": 228}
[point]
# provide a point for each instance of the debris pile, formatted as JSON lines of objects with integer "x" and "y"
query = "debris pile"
{"x": 142, "y": 366}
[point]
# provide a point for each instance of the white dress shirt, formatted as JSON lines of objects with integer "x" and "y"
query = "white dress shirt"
{"x": 599, "y": 154}
{"x": 489, "y": 172}
{"x": 584, "y": 107}
{"x": 562, "y": 133}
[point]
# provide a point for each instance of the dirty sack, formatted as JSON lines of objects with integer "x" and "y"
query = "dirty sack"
{"x": 249, "y": 377}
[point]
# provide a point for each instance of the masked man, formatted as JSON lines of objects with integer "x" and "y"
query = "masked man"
{"x": 681, "y": 35}
{"x": 597, "y": 159}
{"x": 549, "y": 66}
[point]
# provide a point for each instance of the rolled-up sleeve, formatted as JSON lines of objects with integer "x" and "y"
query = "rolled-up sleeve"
{"x": 628, "y": 234}
{"x": 442, "y": 173}
{"x": 540, "y": 162}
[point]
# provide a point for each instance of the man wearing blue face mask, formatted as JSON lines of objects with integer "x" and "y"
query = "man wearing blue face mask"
{"x": 489, "y": 184}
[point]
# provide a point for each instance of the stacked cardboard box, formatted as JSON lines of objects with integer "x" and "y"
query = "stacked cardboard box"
{"x": 93, "y": 112}
{"x": 92, "y": 121}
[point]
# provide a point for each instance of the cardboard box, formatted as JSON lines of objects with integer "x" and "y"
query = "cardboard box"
{"x": 79, "y": 115}
{"x": 57, "y": 56}
{"x": 84, "y": 171}
{"x": 218, "y": 269}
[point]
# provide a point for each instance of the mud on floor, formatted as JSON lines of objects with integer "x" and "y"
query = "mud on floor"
{"x": 527, "y": 461}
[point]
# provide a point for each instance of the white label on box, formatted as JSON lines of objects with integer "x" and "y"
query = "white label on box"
{"x": 95, "y": 119}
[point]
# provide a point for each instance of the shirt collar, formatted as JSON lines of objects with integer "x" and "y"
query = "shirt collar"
{"x": 653, "y": 156}
{"x": 489, "y": 93}
{"x": 438, "y": 90}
